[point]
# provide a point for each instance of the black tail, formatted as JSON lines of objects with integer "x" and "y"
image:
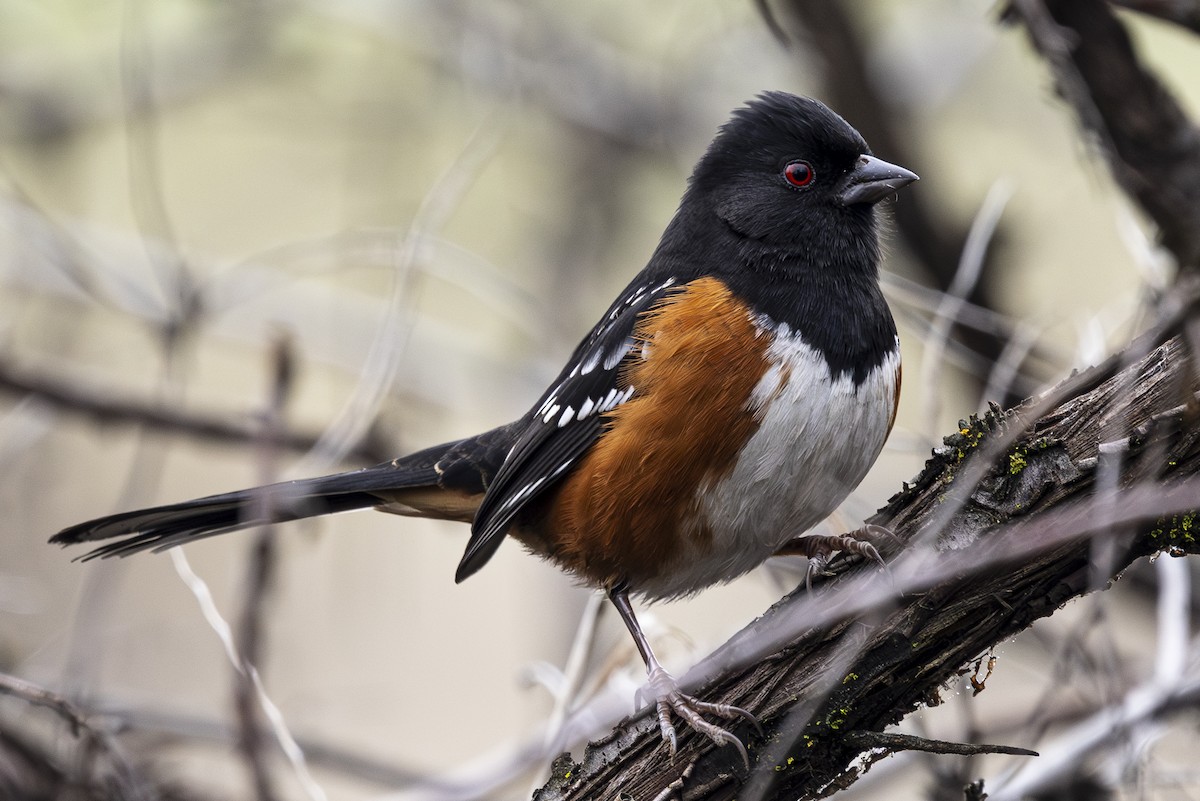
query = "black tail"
{"x": 444, "y": 481}
{"x": 162, "y": 527}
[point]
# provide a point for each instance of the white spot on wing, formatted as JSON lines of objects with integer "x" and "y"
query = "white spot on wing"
{"x": 567, "y": 416}
{"x": 551, "y": 399}
{"x": 591, "y": 362}
{"x": 614, "y": 356}
{"x": 585, "y": 408}
{"x": 522, "y": 494}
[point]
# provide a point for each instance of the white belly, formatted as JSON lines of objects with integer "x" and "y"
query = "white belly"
{"x": 817, "y": 438}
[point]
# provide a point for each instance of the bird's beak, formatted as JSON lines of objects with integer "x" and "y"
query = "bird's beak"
{"x": 871, "y": 181}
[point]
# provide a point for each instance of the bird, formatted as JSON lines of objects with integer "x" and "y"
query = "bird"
{"x": 730, "y": 398}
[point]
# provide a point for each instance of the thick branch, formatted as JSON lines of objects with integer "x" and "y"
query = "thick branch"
{"x": 858, "y": 655}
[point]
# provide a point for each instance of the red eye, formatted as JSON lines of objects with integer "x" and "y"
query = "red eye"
{"x": 798, "y": 173}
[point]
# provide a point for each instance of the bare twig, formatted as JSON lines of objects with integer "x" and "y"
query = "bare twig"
{"x": 212, "y": 615}
{"x": 103, "y": 406}
{"x": 1185, "y": 13}
{"x": 124, "y": 780}
{"x": 966, "y": 278}
{"x": 258, "y": 579}
{"x": 32, "y": 693}
{"x": 892, "y": 742}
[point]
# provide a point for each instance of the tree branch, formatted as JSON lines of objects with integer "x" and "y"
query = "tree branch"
{"x": 1185, "y": 13}
{"x": 1034, "y": 532}
{"x": 104, "y": 407}
{"x": 1152, "y": 148}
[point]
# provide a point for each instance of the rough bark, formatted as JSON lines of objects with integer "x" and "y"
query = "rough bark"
{"x": 1017, "y": 514}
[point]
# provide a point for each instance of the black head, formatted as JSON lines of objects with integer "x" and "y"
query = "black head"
{"x": 788, "y": 172}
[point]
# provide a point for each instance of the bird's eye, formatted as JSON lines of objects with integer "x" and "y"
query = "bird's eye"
{"x": 798, "y": 173}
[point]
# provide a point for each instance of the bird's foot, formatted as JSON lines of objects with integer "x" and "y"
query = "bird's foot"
{"x": 819, "y": 548}
{"x": 669, "y": 698}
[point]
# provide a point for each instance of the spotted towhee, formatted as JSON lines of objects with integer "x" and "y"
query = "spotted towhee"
{"x": 730, "y": 398}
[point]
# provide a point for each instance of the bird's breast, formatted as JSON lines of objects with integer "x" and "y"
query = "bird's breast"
{"x": 818, "y": 434}
{"x": 737, "y": 437}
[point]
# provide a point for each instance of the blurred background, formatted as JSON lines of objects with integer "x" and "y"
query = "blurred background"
{"x": 428, "y": 204}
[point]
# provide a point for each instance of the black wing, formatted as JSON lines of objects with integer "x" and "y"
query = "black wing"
{"x": 566, "y": 421}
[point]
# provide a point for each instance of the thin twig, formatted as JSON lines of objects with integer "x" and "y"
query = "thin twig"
{"x": 966, "y": 277}
{"x": 216, "y": 621}
{"x": 40, "y": 696}
{"x": 103, "y": 406}
{"x": 383, "y": 357}
{"x": 894, "y": 741}
{"x": 1185, "y": 13}
{"x": 124, "y": 779}
{"x": 258, "y": 579}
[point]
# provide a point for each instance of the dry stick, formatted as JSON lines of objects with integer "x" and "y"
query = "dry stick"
{"x": 126, "y": 781}
{"x": 40, "y": 696}
{"x": 387, "y": 346}
{"x": 101, "y": 405}
{"x": 966, "y": 278}
{"x": 220, "y": 627}
{"x": 258, "y": 580}
{"x": 1185, "y": 13}
{"x": 891, "y": 743}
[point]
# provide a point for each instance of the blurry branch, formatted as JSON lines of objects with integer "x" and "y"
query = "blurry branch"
{"x": 159, "y": 726}
{"x": 1151, "y": 147}
{"x": 236, "y": 38}
{"x": 100, "y": 770}
{"x": 1137, "y": 713}
{"x": 39, "y": 696}
{"x": 259, "y": 572}
{"x": 1027, "y": 531}
{"x": 1180, "y": 12}
{"x": 103, "y": 407}
{"x": 966, "y": 278}
{"x": 831, "y": 32}
{"x": 545, "y": 57}
{"x": 921, "y": 308}
{"x": 353, "y": 422}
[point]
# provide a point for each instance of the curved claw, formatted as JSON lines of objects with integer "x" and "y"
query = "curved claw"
{"x": 690, "y": 709}
{"x": 816, "y": 567}
{"x": 819, "y": 548}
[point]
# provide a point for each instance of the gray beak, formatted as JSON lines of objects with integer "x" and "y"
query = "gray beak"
{"x": 871, "y": 181}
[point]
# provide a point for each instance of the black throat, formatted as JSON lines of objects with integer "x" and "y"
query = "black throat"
{"x": 826, "y": 290}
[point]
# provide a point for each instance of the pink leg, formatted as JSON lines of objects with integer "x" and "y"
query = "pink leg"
{"x": 668, "y": 697}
